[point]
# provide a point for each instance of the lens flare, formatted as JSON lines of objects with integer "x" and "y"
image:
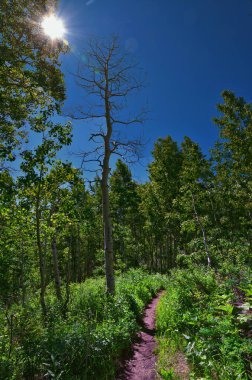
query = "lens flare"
{"x": 53, "y": 27}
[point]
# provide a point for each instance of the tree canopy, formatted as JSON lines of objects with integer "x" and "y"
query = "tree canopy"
{"x": 31, "y": 82}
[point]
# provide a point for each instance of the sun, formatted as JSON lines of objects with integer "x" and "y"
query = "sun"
{"x": 53, "y": 27}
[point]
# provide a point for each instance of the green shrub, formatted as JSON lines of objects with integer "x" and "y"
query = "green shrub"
{"x": 197, "y": 315}
{"x": 87, "y": 341}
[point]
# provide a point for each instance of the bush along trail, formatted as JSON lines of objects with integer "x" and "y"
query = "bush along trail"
{"x": 204, "y": 325}
{"x": 140, "y": 363}
{"x": 84, "y": 344}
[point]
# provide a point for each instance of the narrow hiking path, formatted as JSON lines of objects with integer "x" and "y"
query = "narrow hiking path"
{"x": 140, "y": 364}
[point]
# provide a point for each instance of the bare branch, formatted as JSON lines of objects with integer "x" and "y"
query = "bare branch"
{"x": 94, "y": 135}
{"x": 129, "y": 122}
{"x": 109, "y": 75}
{"x": 86, "y": 116}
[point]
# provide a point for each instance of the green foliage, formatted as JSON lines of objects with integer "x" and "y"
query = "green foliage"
{"x": 197, "y": 314}
{"x": 51, "y": 235}
{"x": 125, "y": 202}
{"x": 30, "y": 78}
{"x": 167, "y": 375}
{"x": 232, "y": 157}
{"x": 87, "y": 342}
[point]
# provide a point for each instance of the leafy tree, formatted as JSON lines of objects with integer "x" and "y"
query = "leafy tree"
{"x": 153, "y": 229}
{"x": 125, "y": 202}
{"x": 232, "y": 157}
{"x": 16, "y": 244}
{"x": 35, "y": 166}
{"x": 194, "y": 178}
{"x": 165, "y": 168}
{"x": 30, "y": 76}
{"x": 164, "y": 175}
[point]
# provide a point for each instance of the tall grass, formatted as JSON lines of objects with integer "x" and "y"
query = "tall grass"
{"x": 197, "y": 317}
{"x": 87, "y": 342}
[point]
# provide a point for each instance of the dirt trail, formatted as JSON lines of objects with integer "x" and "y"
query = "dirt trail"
{"x": 140, "y": 365}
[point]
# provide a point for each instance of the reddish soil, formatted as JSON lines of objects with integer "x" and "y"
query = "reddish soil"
{"x": 140, "y": 364}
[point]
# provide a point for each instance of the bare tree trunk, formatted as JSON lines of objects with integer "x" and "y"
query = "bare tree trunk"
{"x": 73, "y": 261}
{"x": 22, "y": 270}
{"x": 107, "y": 228}
{"x": 161, "y": 258}
{"x": 203, "y": 232}
{"x": 56, "y": 272}
{"x": 68, "y": 274}
{"x": 11, "y": 325}
{"x": 78, "y": 254}
{"x": 109, "y": 78}
{"x": 156, "y": 256}
{"x": 170, "y": 251}
{"x": 175, "y": 250}
{"x": 42, "y": 268}
{"x": 107, "y": 225}
{"x": 56, "y": 269}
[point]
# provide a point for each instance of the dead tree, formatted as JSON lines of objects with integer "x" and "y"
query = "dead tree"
{"x": 108, "y": 78}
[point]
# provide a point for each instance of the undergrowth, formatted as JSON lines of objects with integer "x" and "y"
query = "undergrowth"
{"x": 87, "y": 342}
{"x": 199, "y": 315}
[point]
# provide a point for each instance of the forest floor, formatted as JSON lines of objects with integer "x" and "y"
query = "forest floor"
{"x": 140, "y": 361}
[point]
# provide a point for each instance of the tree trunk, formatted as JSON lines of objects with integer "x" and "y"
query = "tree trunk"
{"x": 78, "y": 254}
{"x": 42, "y": 268}
{"x": 56, "y": 272}
{"x": 109, "y": 78}
{"x": 22, "y": 279}
{"x": 107, "y": 225}
{"x": 56, "y": 269}
{"x": 203, "y": 232}
{"x": 68, "y": 273}
{"x": 107, "y": 228}
{"x": 68, "y": 278}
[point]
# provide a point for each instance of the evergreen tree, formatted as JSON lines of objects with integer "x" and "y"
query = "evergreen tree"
{"x": 232, "y": 157}
{"x": 164, "y": 175}
{"x": 193, "y": 197}
{"x": 125, "y": 214}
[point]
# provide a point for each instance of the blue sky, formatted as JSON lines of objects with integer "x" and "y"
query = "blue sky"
{"x": 191, "y": 50}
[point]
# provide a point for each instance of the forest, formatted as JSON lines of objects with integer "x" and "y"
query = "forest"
{"x": 81, "y": 259}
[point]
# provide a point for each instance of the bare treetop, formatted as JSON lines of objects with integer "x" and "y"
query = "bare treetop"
{"x": 108, "y": 77}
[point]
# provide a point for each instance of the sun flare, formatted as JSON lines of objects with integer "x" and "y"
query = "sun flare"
{"x": 53, "y": 27}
